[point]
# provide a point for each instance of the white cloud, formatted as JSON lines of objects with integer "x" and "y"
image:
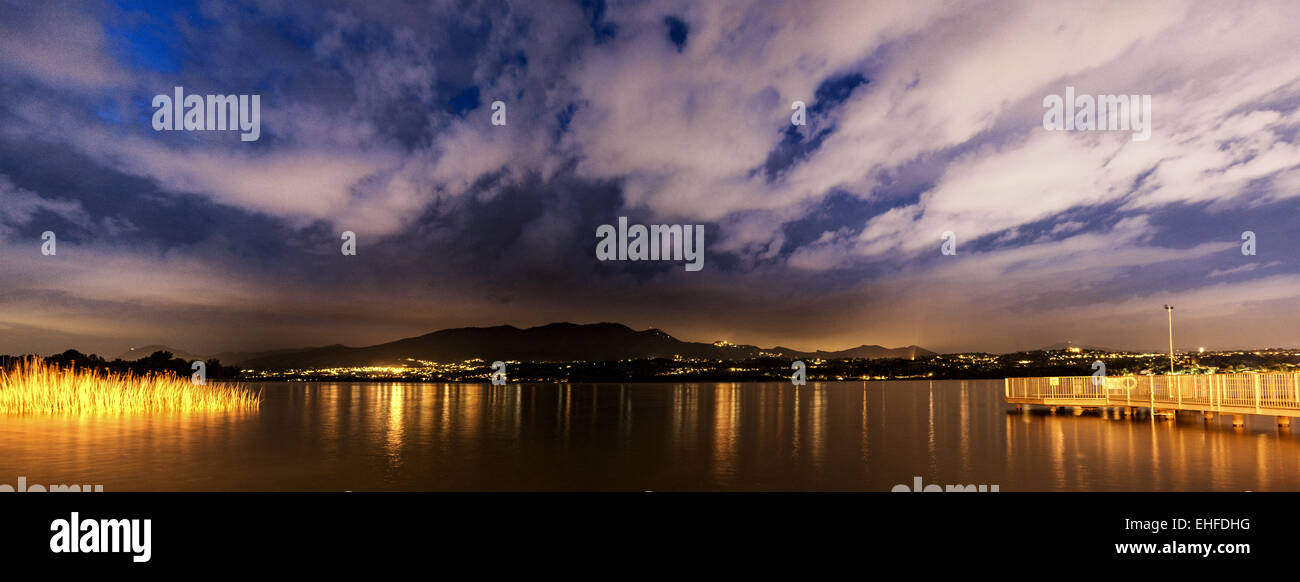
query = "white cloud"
{"x": 19, "y": 206}
{"x": 54, "y": 42}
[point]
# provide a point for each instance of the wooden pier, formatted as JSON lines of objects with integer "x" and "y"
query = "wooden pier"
{"x": 1276, "y": 394}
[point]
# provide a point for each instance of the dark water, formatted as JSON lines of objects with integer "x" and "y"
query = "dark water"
{"x": 833, "y": 436}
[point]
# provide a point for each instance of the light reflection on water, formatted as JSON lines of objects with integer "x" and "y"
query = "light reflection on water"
{"x": 727, "y": 436}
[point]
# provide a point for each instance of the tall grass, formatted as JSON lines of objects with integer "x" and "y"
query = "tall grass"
{"x": 32, "y": 387}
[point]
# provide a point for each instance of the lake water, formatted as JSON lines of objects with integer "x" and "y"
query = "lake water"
{"x": 836, "y": 436}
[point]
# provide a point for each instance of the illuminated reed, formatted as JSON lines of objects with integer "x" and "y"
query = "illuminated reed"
{"x": 32, "y": 387}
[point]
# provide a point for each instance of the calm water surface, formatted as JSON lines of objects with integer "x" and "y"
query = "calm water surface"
{"x": 833, "y": 436}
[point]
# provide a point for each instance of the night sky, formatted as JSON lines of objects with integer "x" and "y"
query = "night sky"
{"x": 921, "y": 118}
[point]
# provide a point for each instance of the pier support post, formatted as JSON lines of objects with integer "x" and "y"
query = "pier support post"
{"x": 1207, "y": 415}
{"x": 1238, "y": 420}
{"x": 1077, "y": 411}
{"x": 1284, "y": 421}
{"x": 1051, "y": 409}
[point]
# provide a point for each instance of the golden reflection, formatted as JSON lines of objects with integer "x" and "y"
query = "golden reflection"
{"x": 625, "y": 412}
{"x": 1057, "y": 452}
{"x": 469, "y": 408}
{"x": 1008, "y": 445}
{"x": 818, "y": 423}
{"x": 444, "y": 415}
{"x": 396, "y": 429}
{"x": 517, "y": 398}
{"x": 964, "y": 413}
{"x": 1155, "y": 452}
{"x": 929, "y": 443}
{"x": 726, "y": 424}
{"x": 794, "y": 424}
{"x": 676, "y": 420}
{"x": 425, "y": 409}
{"x": 568, "y": 412}
{"x": 763, "y": 427}
{"x": 728, "y": 436}
{"x": 864, "y": 445}
{"x": 685, "y": 417}
{"x": 780, "y": 418}
{"x": 1263, "y": 443}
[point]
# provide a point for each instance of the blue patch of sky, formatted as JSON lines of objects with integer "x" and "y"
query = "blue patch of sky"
{"x": 838, "y": 210}
{"x": 601, "y": 30}
{"x": 154, "y": 43}
{"x": 794, "y": 146}
{"x": 466, "y": 100}
{"x": 563, "y": 118}
{"x": 677, "y": 30}
{"x": 108, "y": 111}
{"x": 1276, "y": 226}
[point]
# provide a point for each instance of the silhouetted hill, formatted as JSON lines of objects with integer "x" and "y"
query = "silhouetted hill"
{"x": 556, "y": 342}
{"x": 869, "y": 352}
{"x": 134, "y": 354}
{"x": 1067, "y": 345}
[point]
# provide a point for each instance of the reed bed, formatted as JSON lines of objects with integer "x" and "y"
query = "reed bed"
{"x": 33, "y": 387}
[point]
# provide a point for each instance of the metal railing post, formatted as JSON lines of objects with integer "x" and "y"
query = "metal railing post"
{"x": 1256, "y": 393}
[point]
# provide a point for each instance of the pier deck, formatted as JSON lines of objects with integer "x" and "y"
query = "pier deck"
{"x": 1276, "y": 394}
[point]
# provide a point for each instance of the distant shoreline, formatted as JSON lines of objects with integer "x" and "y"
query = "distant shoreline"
{"x": 972, "y": 366}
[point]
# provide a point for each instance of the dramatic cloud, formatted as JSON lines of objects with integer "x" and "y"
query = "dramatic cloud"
{"x": 922, "y": 118}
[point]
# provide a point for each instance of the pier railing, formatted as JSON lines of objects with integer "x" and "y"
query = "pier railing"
{"x": 1275, "y": 393}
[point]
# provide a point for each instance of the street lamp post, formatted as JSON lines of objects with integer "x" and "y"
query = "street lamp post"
{"x": 1170, "y": 309}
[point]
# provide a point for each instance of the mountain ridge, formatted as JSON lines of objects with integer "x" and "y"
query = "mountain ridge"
{"x": 561, "y": 341}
